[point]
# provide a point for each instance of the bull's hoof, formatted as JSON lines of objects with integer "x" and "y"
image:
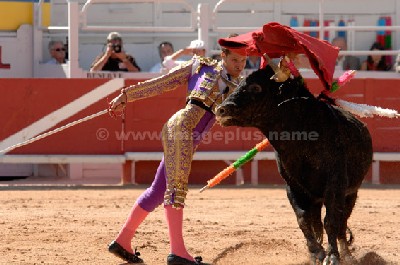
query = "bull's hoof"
{"x": 318, "y": 258}
{"x": 331, "y": 260}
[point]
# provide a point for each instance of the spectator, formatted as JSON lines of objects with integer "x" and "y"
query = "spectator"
{"x": 253, "y": 62}
{"x": 115, "y": 58}
{"x": 57, "y": 52}
{"x": 347, "y": 62}
{"x": 164, "y": 49}
{"x": 376, "y": 62}
{"x": 196, "y": 47}
{"x": 397, "y": 64}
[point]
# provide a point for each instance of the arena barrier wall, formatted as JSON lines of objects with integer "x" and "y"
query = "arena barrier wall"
{"x": 27, "y": 101}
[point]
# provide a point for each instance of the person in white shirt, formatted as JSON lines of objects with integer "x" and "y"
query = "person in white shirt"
{"x": 57, "y": 52}
{"x": 165, "y": 48}
{"x": 196, "y": 47}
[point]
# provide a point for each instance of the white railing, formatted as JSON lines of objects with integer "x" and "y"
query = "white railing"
{"x": 321, "y": 29}
{"x": 202, "y": 22}
{"x": 74, "y": 163}
{"x": 189, "y": 28}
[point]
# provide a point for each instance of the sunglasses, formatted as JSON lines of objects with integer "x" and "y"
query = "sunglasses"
{"x": 59, "y": 49}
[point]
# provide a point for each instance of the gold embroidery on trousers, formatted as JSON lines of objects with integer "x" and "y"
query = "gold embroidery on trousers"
{"x": 178, "y": 152}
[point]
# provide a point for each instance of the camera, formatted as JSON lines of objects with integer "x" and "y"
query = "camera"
{"x": 116, "y": 48}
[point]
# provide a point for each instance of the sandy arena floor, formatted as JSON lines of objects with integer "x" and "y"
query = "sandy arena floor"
{"x": 226, "y": 225}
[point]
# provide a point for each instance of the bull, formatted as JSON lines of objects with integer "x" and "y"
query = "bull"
{"x": 322, "y": 152}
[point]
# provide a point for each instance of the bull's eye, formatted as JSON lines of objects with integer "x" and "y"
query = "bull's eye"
{"x": 255, "y": 88}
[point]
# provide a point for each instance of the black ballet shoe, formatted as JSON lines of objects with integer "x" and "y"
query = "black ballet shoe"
{"x": 173, "y": 259}
{"x": 120, "y": 252}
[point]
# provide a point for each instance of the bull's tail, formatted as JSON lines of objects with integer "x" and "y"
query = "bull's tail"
{"x": 350, "y": 238}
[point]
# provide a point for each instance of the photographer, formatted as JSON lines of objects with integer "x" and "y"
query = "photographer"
{"x": 114, "y": 58}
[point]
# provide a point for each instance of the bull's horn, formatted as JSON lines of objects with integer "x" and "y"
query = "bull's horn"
{"x": 282, "y": 73}
{"x": 271, "y": 63}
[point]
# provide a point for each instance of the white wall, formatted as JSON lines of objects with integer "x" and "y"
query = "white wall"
{"x": 17, "y": 51}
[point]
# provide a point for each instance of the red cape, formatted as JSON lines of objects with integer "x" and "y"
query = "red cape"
{"x": 276, "y": 40}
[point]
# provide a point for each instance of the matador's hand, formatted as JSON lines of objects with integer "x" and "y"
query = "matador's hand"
{"x": 118, "y": 103}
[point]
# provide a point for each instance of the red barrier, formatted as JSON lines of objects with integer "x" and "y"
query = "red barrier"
{"x": 27, "y": 100}
{"x": 383, "y": 93}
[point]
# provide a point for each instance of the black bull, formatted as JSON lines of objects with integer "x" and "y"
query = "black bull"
{"x": 322, "y": 152}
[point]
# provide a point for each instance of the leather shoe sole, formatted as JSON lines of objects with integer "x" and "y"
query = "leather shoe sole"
{"x": 173, "y": 259}
{"x": 120, "y": 252}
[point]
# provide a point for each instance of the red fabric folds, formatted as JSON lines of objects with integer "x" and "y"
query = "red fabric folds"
{"x": 277, "y": 40}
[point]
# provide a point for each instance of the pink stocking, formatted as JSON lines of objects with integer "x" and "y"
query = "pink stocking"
{"x": 174, "y": 220}
{"x": 135, "y": 218}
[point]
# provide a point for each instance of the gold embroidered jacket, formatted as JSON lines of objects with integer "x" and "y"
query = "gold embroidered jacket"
{"x": 205, "y": 79}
